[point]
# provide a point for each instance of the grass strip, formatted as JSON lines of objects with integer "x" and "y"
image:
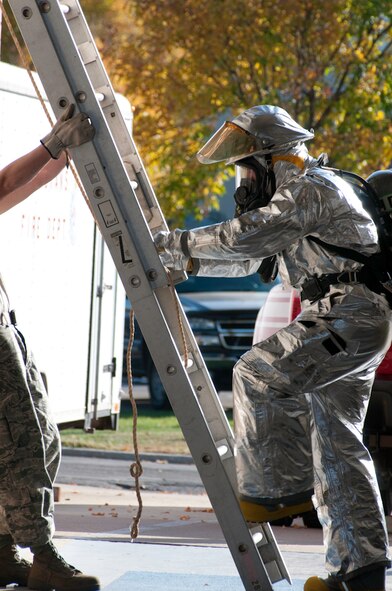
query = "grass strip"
{"x": 158, "y": 432}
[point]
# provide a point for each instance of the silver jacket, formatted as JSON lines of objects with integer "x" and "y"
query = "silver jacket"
{"x": 300, "y": 397}
{"x": 308, "y": 201}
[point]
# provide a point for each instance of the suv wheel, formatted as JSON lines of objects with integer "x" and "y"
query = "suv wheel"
{"x": 158, "y": 396}
{"x": 310, "y": 519}
{"x": 283, "y": 522}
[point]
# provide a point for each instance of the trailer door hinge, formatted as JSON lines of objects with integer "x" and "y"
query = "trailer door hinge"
{"x": 111, "y": 367}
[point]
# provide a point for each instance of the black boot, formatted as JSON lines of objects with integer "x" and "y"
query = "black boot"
{"x": 13, "y": 568}
{"x": 373, "y": 580}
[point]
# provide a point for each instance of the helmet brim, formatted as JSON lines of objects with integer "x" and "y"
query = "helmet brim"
{"x": 261, "y": 130}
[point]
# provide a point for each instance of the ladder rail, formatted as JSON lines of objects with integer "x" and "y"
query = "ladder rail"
{"x": 124, "y": 141}
{"x": 57, "y": 92}
{"x": 137, "y": 174}
{"x": 127, "y": 213}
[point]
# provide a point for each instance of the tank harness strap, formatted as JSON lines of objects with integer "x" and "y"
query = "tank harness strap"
{"x": 372, "y": 274}
{"x": 315, "y": 288}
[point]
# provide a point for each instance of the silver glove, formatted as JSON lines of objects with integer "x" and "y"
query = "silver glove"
{"x": 169, "y": 248}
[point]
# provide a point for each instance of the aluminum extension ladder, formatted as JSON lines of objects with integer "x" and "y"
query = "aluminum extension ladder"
{"x": 128, "y": 214}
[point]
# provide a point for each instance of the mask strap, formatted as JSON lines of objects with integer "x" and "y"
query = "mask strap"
{"x": 270, "y": 180}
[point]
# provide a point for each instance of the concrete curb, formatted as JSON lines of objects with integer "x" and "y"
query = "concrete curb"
{"x": 127, "y": 456}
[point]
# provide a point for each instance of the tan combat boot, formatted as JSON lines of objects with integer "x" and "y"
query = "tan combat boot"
{"x": 13, "y": 568}
{"x": 50, "y": 571}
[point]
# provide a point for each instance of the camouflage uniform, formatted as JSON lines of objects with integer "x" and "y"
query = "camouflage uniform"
{"x": 29, "y": 441}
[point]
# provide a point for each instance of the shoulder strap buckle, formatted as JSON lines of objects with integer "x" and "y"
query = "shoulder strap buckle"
{"x": 312, "y": 290}
{"x": 348, "y": 277}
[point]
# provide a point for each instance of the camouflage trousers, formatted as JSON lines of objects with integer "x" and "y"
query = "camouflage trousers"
{"x": 29, "y": 445}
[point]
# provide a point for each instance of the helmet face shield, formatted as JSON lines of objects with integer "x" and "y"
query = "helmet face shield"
{"x": 261, "y": 130}
{"x": 228, "y": 144}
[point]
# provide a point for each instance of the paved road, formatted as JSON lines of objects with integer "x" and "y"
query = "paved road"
{"x": 112, "y": 473}
{"x": 170, "y": 519}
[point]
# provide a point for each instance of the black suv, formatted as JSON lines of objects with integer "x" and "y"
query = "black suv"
{"x": 222, "y": 314}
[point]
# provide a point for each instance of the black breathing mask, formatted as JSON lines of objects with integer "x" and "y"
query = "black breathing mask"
{"x": 256, "y": 184}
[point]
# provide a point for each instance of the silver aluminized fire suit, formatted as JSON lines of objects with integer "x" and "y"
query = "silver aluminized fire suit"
{"x": 29, "y": 441}
{"x": 313, "y": 378}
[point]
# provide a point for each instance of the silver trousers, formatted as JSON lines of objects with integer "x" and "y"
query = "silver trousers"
{"x": 300, "y": 400}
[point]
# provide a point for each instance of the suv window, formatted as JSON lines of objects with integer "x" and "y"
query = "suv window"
{"x": 248, "y": 283}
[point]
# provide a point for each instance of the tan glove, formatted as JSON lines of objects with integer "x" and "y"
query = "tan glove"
{"x": 68, "y": 132}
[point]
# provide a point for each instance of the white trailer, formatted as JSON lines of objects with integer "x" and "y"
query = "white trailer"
{"x": 60, "y": 277}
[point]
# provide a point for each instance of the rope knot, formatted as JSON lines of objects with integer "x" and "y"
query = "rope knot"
{"x": 136, "y": 470}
